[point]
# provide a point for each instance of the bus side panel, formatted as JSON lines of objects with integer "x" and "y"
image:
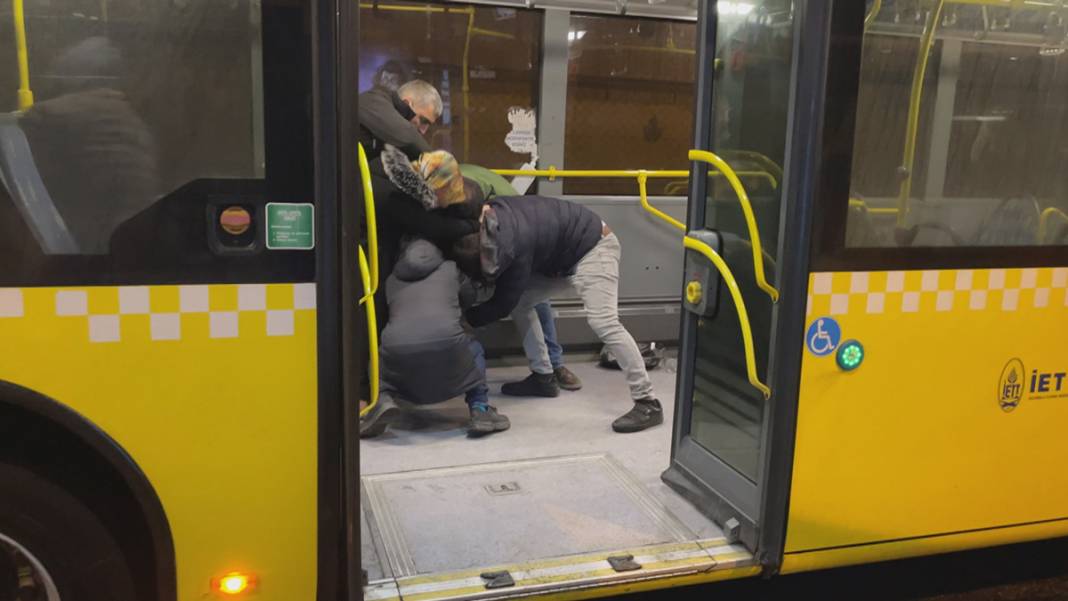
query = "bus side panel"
{"x": 953, "y": 423}
{"x": 212, "y": 391}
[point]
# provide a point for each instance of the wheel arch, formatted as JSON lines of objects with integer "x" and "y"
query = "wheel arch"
{"x": 52, "y": 439}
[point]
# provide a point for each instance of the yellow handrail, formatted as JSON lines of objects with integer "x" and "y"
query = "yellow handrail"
{"x": 372, "y": 334}
{"x": 1043, "y": 222}
{"x": 369, "y": 214}
{"x": 552, "y": 173}
{"x": 643, "y": 179}
{"x": 874, "y": 12}
{"x": 739, "y": 304}
{"x": 747, "y": 209}
{"x": 369, "y": 276}
{"x": 25, "y": 95}
{"x": 913, "y": 125}
{"x": 857, "y": 202}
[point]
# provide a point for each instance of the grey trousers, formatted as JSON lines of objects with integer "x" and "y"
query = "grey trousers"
{"x": 596, "y": 281}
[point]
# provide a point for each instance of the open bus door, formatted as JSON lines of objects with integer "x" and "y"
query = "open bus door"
{"x": 763, "y": 99}
{"x": 583, "y": 523}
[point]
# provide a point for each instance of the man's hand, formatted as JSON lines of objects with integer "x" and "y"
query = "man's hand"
{"x": 485, "y": 209}
{"x": 468, "y": 328}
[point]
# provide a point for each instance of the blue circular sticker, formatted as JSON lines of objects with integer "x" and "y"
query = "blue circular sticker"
{"x": 823, "y": 336}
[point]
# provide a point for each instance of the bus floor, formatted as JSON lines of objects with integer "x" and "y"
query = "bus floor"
{"x": 444, "y": 518}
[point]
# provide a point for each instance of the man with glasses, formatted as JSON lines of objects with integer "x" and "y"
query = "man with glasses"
{"x": 399, "y": 118}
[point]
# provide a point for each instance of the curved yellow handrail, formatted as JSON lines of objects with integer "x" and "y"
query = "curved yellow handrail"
{"x": 372, "y": 334}
{"x": 1043, "y": 222}
{"x": 372, "y": 223}
{"x": 643, "y": 179}
{"x": 913, "y": 124}
{"x": 874, "y": 12}
{"x": 747, "y": 209}
{"x": 369, "y": 276}
{"x": 25, "y": 95}
{"x": 739, "y": 304}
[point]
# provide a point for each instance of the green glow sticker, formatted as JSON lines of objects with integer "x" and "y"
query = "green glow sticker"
{"x": 850, "y": 355}
{"x": 290, "y": 226}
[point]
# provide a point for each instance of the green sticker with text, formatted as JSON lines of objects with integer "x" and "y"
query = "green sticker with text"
{"x": 290, "y": 226}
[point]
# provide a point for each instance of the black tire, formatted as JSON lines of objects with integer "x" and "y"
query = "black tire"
{"x": 77, "y": 551}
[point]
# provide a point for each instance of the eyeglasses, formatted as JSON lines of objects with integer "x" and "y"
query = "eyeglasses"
{"x": 422, "y": 123}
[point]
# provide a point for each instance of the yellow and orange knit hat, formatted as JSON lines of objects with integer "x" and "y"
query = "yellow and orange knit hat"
{"x": 440, "y": 170}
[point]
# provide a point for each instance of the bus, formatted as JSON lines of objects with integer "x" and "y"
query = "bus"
{"x": 842, "y": 218}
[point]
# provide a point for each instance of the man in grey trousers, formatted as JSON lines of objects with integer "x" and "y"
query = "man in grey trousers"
{"x": 533, "y": 247}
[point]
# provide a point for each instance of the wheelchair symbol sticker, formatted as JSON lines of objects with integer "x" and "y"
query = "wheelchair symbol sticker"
{"x": 823, "y": 336}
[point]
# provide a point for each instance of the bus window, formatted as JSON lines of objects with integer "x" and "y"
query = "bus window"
{"x": 499, "y": 47}
{"x": 140, "y": 120}
{"x": 629, "y": 100}
{"x": 967, "y": 153}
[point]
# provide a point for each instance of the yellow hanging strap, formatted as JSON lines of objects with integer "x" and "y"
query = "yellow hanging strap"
{"x": 747, "y": 209}
{"x": 25, "y": 95}
{"x": 739, "y": 304}
{"x": 369, "y": 279}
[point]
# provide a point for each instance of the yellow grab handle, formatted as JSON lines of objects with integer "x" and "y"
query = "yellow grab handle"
{"x": 372, "y": 224}
{"x": 739, "y": 304}
{"x": 372, "y": 332}
{"x": 1043, "y": 222}
{"x": 25, "y": 95}
{"x": 643, "y": 179}
{"x": 747, "y": 209}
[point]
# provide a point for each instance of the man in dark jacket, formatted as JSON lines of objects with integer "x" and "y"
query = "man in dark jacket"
{"x": 533, "y": 247}
{"x": 492, "y": 185}
{"x": 399, "y": 118}
{"x": 425, "y": 355}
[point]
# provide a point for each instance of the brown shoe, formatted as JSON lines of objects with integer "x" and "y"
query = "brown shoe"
{"x": 566, "y": 379}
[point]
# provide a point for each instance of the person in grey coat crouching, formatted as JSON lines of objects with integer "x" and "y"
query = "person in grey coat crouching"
{"x": 426, "y": 354}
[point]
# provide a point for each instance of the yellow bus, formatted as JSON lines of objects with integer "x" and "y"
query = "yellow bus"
{"x": 862, "y": 275}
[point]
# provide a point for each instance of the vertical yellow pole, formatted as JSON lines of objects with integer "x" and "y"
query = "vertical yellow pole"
{"x": 25, "y": 96}
{"x": 467, "y": 84}
{"x": 926, "y": 42}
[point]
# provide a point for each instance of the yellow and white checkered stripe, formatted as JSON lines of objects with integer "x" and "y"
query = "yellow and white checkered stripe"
{"x": 903, "y": 292}
{"x": 171, "y": 311}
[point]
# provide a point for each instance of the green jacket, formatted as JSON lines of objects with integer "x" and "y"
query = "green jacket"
{"x": 491, "y": 183}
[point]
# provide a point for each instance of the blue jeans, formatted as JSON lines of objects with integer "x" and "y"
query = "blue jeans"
{"x": 480, "y": 393}
{"x": 548, "y": 328}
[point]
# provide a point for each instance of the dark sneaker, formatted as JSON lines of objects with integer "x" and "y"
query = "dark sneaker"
{"x": 566, "y": 379}
{"x": 533, "y": 385}
{"x": 646, "y": 413}
{"x": 381, "y": 416}
{"x": 486, "y": 421}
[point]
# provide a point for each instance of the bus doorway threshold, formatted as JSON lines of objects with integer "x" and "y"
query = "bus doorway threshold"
{"x": 559, "y": 502}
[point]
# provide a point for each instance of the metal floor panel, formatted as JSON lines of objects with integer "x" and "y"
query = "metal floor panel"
{"x": 456, "y": 518}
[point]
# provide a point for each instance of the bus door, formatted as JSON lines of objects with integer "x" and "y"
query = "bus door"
{"x": 760, "y": 102}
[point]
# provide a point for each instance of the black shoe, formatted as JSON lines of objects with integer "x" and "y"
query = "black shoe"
{"x": 645, "y": 413}
{"x": 382, "y": 415}
{"x": 566, "y": 379}
{"x": 533, "y": 385}
{"x": 487, "y": 421}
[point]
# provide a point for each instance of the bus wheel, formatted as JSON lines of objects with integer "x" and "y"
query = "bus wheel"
{"x": 52, "y": 547}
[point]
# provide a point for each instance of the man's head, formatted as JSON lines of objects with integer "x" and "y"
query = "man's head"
{"x": 441, "y": 173}
{"x": 424, "y": 100}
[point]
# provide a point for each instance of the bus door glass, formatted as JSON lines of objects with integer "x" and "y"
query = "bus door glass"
{"x": 745, "y": 101}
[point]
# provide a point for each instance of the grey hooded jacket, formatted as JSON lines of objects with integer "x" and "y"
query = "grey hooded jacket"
{"x": 424, "y": 351}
